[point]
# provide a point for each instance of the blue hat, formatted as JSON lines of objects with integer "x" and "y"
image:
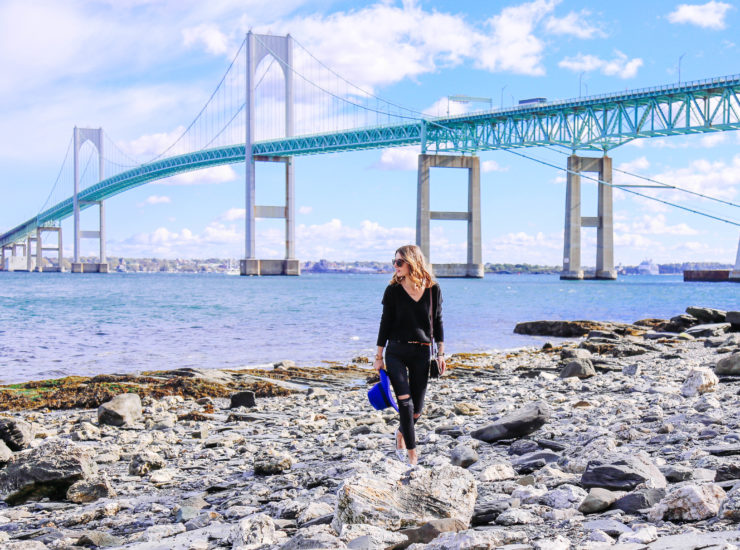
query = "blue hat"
{"x": 380, "y": 394}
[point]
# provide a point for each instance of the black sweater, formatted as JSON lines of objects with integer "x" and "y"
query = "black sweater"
{"x": 405, "y": 320}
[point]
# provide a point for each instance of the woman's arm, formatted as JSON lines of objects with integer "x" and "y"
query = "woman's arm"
{"x": 386, "y": 320}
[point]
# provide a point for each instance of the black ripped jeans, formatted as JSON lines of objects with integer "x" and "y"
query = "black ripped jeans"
{"x": 407, "y": 366}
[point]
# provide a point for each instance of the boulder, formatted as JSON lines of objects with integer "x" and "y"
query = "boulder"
{"x": 530, "y": 462}
{"x": 5, "y": 453}
{"x": 463, "y": 456}
{"x": 90, "y": 490}
{"x": 122, "y": 410}
{"x": 700, "y": 380}
{"x": 46, "y": 471}
{"x": 252, "y": 532}
{"x": 243, "y": 399}
{"x": 679, "y": 323}
{"x": 17, "y": 434}
{"x": 366, "y": 537}
{"x": 640, "y": 499}
{"x": 707, "y": 314}
{"x": 497, "y": 472}
{"x": 319, "y": 536}
{"x": 563, "y": 497}
{"x": 432, "y": 529}
{"x": 144, "y": 462}
{"x": 517, "y": 424}
{"x": 689, "y": 503}
{"x": 709, "y": 330}
{"x": 733, "y": 317}
{"x": 579, "y": 368}
{"x": 393, "y": 501}
{"x": 728, "y": 365}
{"x": 562, "y": 329}
{"x": 99, "y": 539}
{"x": 597, "y": 500}
{"x": 270, "y": 462}
{"x": 622, "y": 472}
{"x": 730, "y": 508}
{"x": 490, "y": 538}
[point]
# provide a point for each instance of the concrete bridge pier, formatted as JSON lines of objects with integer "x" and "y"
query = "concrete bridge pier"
{"x": 94, "y": 136}
{"x": 16, "y": 262}
{"x": 30, "y": 256}
{"x": 40, "y": 249}
{"x": 603, "y": 222}
{"x": 735, "y": 273}
{"x": 474, "y": 265}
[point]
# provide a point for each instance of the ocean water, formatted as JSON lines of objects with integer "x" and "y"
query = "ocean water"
{"x": 53, "y": 324}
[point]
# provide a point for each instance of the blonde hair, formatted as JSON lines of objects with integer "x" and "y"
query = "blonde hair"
{"x": 420, "y": 272}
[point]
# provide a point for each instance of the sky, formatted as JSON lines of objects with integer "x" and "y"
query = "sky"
{"x": 142, "y": 70}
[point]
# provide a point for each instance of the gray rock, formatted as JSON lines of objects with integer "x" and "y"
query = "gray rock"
{"x": 520, "y": 423}
{"x": 393, "y": 502}
{"x": 730, "y": 508}
{"x": 46, "y": 471}
{"x": 314, "y": 538}
{"x": 706, "y": 331}
{"x": 579, "y": 368}
{"x": 622, "y": 472}
{"x": 530, "y": 462}
{"x": 122, "y": 410}
{"x": 99, "y": 539}
{"x": 17, "y": 434}
{"x": 575, "y": 353}
{"x": 463, "y": 456}
{"x": 271, "y": 462}
{"x": 641, "y": 499}
{"x": 145, "y": 462}
{"x": 676, "y": 473}
{"x": 728, "y": 365}
{"x": 243, "y": 399}
{"x": 611, "y": 527}
{"x": 432, "y": 529}
{"x": 597, "y": 500}
{"x": 733, "y": 317}
{"x": 252, "y": 532}
{"x": 689, "y": 503}
{"x": 691, "y": 540}
{"x": 631, "y": 370}
{"x": 86, "y": 432}
{"x": 90, "y": 490}
{"x": 5, "y": 453}
{"x": 707, "y": 314}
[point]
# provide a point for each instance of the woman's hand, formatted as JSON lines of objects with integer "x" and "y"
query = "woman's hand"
{"x": 378, "y": 364}
{"x": 442, "y": 364}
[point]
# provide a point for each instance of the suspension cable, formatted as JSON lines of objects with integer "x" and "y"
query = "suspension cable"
{"x": 59, "y": 175}
{"x": 623, "y": 189}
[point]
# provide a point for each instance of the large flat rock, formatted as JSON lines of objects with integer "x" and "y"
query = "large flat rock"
{"x": 522, "y": 422}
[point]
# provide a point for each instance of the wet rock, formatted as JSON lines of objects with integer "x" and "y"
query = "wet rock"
{"x": 46, "y": 471}
{"x": 579, "y": 368}
{"x": 243, "y": 399}
{"x": 728, "y": 365}
{"x": 699, "y": 381}
{"x": 15, "y": 433}
{"x": 622, "y": 472}
{"x": 91, "y": 489}
{"x": 689, "y": 503}
{"x": 253, "y": 532}
{"x": 707, "y": 314}
{"x": 463, "y": 456}
{"x": 638, "y": 500}
{"x": 271, "y": 462}
{"x": 395, "y": 502}
{"x": 597, "y": 500}
{"x": 144, "y": 462}
{"x": 122, "y": 410}
{"x": 520, "y": 423}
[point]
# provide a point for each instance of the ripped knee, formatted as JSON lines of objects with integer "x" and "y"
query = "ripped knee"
{"x": 404, "y": 396}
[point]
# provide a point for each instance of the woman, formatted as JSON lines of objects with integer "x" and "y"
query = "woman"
{"x": 407, "y": 327}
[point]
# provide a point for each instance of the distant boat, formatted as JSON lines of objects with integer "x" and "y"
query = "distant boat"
{"x": 647, "y": 267}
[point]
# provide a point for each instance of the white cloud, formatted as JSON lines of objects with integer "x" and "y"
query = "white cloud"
{"x": 620, "y": 65}
{"x": 491, "y": 166}
{"x": 712, "y": 140}
{"x": 233, "y": 214}
{"x": 155, "y": 199}
{"x": 511, "y": 44}
{"x": 636, "y": 165}
{"x": 210, "y": 36}
{"x": 573, "y": 24}
{"x": 709, "y": 16}
{"x": 399, "y": 158}
{"x": 305, "y": 209}
{"x": 654, "y": 225}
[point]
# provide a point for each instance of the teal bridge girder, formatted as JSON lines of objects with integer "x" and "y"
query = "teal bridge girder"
{"x": 598, "y": 123}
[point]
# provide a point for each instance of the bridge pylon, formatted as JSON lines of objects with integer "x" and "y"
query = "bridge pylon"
{"x": 474, "y": 265}
{"x": 603, "y": 222}
{"x": 735, "y": 273}
{"x": 94, "y": 136}
{"x": 280, "y": 48}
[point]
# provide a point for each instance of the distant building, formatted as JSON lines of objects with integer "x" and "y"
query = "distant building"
{"x": 647, "y": 267}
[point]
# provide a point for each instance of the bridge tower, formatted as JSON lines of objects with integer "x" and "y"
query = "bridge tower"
{"x": 94, "y": 136}
{"x": 258, "y": 47}
{"x": 474, "y": 265}
{"x": 603, "y": 222}
{"x": 735, "y": 273}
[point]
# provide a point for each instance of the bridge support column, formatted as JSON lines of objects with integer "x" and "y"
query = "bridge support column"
{"x": 474, "y": 265}
{"x": 40, "y": 249}
{"x": 30, "y": 259}
{"x": 603, "y": 222}
{"x": 735, "y": 273}
{"x": 95, "y": 136}
{"x": 290, "y": 265}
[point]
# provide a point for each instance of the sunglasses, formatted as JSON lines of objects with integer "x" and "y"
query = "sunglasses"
{"x": 398, "y": 263}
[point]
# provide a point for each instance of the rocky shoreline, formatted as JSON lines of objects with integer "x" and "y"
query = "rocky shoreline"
{"x": 627, "y": 437}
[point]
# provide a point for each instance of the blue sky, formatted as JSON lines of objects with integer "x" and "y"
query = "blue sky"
{"x": 142, "y": 69}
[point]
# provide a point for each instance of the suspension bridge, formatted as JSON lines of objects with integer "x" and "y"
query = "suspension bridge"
{"x": 277, "y": 101}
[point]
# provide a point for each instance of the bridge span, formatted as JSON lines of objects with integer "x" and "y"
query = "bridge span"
{"x": 594, "y": 124}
